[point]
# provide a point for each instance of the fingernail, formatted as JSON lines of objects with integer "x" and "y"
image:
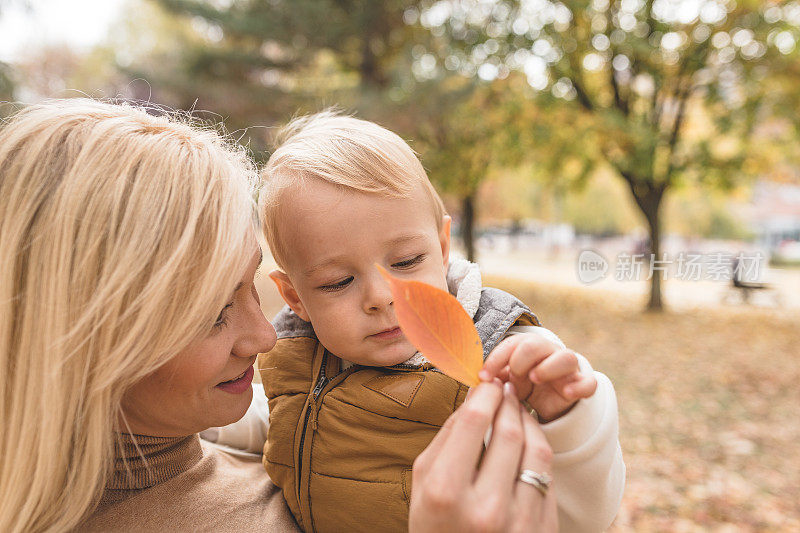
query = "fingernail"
{"x": 484, "y": 375}
{"x": 509, "y": 389}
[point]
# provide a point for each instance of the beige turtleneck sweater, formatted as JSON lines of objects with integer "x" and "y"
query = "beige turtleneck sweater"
{"x": 185, "y": 484}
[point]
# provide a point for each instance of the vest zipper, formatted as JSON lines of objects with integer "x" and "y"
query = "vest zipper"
{"x": 310, "y": 411}
{"x": 318, "y": 388}
{"x": 322, "y": 380}
{"x": 323, "y": 385}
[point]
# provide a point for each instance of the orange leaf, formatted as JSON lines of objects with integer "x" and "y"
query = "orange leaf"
{"x": 439, "y": 327}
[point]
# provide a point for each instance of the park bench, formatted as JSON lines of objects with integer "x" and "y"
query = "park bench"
{"x": 746, "y": 289}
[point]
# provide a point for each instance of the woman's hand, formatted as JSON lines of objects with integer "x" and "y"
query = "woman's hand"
{"x": 452, "y": 492}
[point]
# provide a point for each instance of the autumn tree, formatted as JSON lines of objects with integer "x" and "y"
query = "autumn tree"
{"x": 449, "y": 122}
{"x": 464, "y": 127}
{"x": 6, "y": 78}
{"x": 365, "y": 36}
{"x": 262, "y": 62}
{"x": 279, "y": 56}
{"x": 6, "y": 82}
{"x": 664, "y": 91}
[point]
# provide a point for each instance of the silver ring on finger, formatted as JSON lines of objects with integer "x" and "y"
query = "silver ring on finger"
{"x": 539, "y": 481}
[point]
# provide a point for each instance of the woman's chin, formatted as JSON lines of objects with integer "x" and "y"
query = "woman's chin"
{"x": 229, "y": 408}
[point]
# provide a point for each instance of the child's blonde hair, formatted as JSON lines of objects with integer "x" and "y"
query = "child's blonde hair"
{"x": 344, "y": 151}
{"x": 122, "y": 234}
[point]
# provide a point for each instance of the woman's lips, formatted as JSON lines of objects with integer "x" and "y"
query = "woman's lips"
{"x": 240, "y": 384}
{"x": 388, "y": 334}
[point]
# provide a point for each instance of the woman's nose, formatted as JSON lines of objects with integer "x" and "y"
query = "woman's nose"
{"x": 258, "y": 336}
{"x": 377, "y": 295}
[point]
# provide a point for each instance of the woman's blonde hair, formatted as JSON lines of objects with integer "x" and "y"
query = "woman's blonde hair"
{"x": 122, "y": 234}
{"x": 345, "y": 151}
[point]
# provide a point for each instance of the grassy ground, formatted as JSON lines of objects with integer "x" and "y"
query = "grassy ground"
{"x": 709, "y": 406}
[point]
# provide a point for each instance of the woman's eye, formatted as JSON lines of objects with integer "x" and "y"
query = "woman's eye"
{"x": 408, "y": 263}
{"x": 339, "y": 285}
{"x": 222, "y": 319}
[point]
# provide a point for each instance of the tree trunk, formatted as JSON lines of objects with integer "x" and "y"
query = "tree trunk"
{"x": 371, "y": 73}
{"x": 468, "y": 225}
{"x": 370, "y": 69}
{"x": 656, "y": 302}
{"x": 648, "y": 197}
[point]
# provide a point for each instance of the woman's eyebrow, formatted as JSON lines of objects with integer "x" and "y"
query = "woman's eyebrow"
{"x": 241, "y": 283}
{"x": 258, "y": 265}
{"x": 235, "y": 290}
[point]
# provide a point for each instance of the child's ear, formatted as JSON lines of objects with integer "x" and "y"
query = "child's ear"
{"x": 444, "y": 240}
{"x": 289, "y": 294}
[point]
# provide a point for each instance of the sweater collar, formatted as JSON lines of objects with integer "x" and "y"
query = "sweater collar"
{"x": 464, "y": 282}
{"x": 142, "y": 461}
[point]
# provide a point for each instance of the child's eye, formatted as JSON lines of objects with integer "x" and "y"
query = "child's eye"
{"x": 408, "y": 263}
{"x": 339, "y": 285}
{"x": 222, "y": 319}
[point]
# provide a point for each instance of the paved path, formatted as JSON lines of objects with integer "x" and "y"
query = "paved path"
{"x": 561, "y": 268}
{"x": 542, "y": 266}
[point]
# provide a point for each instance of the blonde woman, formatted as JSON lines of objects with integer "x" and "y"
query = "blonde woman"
{"x": 129, "y": 322}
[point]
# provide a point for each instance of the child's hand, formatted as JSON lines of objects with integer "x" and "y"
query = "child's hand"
{"x": 544, "y": 374}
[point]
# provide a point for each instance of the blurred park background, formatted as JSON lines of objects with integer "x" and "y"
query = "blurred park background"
{"x": 630, "y": 168}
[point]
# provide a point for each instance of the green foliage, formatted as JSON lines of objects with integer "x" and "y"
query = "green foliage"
{"x": 6, "y": 82}
{"x": 6, "y": 78}
{"x": 562, "y": 91}
{"x": 655, "y": 94}
{"x": 631, "y": 73}
{"x": 453, "y": 124}
{"x": 601, "y": 207}
{"x": 725, "y": 226}
{"x": 693, "y": 211}
{"x": 259, "y": 63}
{"x": 364, "y": 36}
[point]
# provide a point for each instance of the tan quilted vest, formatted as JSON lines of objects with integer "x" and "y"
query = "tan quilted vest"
{"x": 341, "y": 444}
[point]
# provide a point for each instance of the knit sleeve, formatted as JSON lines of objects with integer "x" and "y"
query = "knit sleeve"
{"x": 588, "y": 469}
{"x": 249, "y": 433}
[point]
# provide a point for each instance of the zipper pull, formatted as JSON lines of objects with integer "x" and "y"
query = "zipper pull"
{"x": 319, "y": 386}
{"x": 312, "y": 414}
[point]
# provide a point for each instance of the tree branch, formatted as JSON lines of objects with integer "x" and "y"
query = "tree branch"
{"x": 676, "y": 125}
{"x": 583, "y": 96}
{"x": 672, "y": 142}
{"x": 619, "y": 102}
{"x": 577, "y": 83}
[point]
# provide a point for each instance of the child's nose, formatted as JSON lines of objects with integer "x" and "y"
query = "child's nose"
{"x": 377, "y": 295}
